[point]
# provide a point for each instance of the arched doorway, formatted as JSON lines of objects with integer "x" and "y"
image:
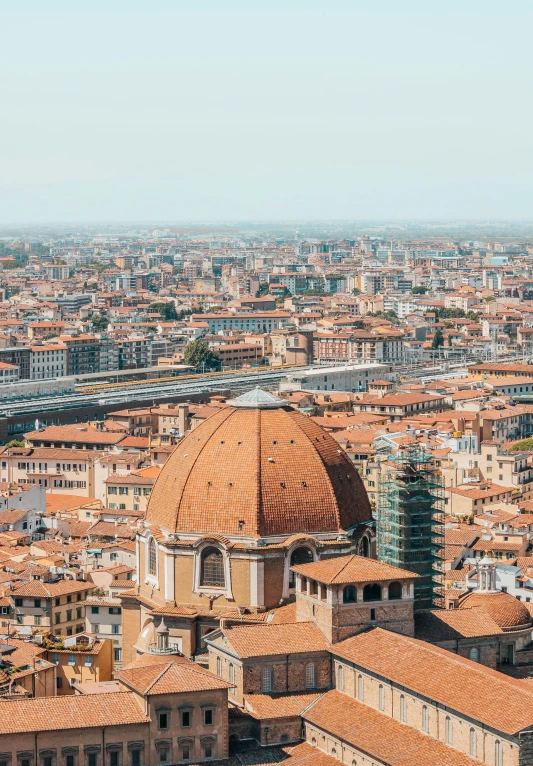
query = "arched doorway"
{"x": 364, "y": 547}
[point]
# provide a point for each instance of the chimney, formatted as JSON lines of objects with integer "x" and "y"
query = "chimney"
{"x": 183, "y": 422}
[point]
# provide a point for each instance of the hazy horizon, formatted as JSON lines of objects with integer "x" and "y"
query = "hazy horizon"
{"x": 280, "y": 111}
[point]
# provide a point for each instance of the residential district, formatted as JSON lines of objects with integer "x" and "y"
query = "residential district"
{"x": 265, "y": 497}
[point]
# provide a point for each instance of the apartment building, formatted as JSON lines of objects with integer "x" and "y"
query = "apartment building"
{"x": 81, "y": 658}
{"x": 104, "y": 621}
{"x": 48, "y": 360}
{"x": 61, "y": 471}
{"x": 57, "y": 605}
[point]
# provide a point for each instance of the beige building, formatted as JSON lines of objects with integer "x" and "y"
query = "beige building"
{"x": 58, "y": 606}
{"x": 80, "y": 659}
{"x": 163, "y": 710}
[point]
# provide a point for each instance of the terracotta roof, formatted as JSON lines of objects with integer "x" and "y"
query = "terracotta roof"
{"x": 452, "y": 624}
{"x": 81, "y": 435}
{"x": 385, "y": 739}
{"x": 278, "y": 705}
{"x": 171, "y": 678}
{"x": 504, "y": 609}
{"x": 352, "y": 568}
{"x": 258, "y": 472}
{"x": 56, "y": 503}
{"x": 70, "y": 712}
{"x": 272, "y": 639}
{"x": 471, "y": 689}
{"x": 51, "y": 589}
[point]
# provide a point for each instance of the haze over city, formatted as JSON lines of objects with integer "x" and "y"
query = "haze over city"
{"x": 178, "y": 110}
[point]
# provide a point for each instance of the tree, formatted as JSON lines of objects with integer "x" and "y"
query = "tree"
{"x": 167, "y": 310}
{"x": 199, "y": 355}
{"x": 264, "y": 288}
{"x": 356, "y": 291}
{"x": 438, "y": 339}
{"x": 419, "y": 290}
{"x": 16, "y": 443}
{"x": 99, "y": 322}
{"x": 526, "y": 445}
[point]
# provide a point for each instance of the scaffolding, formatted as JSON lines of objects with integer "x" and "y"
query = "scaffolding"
{"x": 410, "y": 521}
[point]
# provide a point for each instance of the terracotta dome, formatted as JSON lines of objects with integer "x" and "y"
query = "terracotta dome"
{"x": 505, "y": 610}
{"x": 258, "y": 468}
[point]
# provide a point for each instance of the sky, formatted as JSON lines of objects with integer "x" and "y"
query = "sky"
{"x": 265, "y": 110}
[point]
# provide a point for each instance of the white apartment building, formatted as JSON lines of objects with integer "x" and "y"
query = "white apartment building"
{"x": 103, "y": 618}
{"x": 353, "y": 377}
{"x": 48, "y": 361}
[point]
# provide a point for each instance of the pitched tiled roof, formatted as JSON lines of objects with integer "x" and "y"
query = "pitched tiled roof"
{"x": 278, "y": 705}
{"x": 171, "y": 678}
{"x": 256, "y": 472}
{"x": 70, "y": 712}
{"x": 451, "y": 624}
{"x": 472, "y": 689}
{"x": 386, "y": 740}
{"x": 352, "y": 568}
{"x": 270, "y": 639}
{"x": 52, "y": 589}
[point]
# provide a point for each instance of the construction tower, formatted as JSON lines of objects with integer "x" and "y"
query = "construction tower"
{"x": 410, "y": 521}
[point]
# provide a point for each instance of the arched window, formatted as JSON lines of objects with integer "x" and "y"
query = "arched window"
{"x": 219, "y": 667}
{"x": 310, "y": 675}
{"x": 425, "y": 719}
{"x": 212, "y": 568}
{"x": 152, "y": 557}
{"x": 361, "y": 689}
{"x": 372, "y": 592}
{"x": 473, "y": 743}
{"x": 349, "y": 594}
{"x": 313, "y": 741}
{"x": 333, "y": 752}
{"x": 403, "y": 709}
{"x": 364, "y": 547}
{"x": 302, "y": 555}
{"x": 232, "y": 677}
{"x": 267, "y": 680}
{"x": 474, "y": 654}
{"x": 498, "y": 756}
{"x": 395, "y": 591}
{"x": 381, "y": 698}
{"x": 340, "y": 678}
{"x": 448, "y": 732}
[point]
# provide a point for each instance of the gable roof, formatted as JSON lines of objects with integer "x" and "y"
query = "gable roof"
{"x": 486, "y": 695}
{"x": 385, "y": 739}
{"x": 70, "y": 712}
{"x": 274, "y": 639}
{"x": 171, "y": 678}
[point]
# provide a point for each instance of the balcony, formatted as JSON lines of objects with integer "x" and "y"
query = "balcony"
{"x": 170, "y": 649}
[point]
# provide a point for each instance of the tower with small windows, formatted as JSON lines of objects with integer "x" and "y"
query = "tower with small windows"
{"x": 349, "y": 594}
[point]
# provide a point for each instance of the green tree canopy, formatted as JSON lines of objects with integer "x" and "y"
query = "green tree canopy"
{"x": 438, "y": 339}
{"x": 523, "y": 446}
{"x": 199, "y": 355}
{"x": 99, "y": 322}
{"x": 264, "y": 288}
{"x": 16, "y": 443}
{"x": 167, "y": 310}
{"x": 419, "y": 290}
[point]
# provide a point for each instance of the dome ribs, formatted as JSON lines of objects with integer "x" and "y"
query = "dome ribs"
{"x": 252, "y": 472}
